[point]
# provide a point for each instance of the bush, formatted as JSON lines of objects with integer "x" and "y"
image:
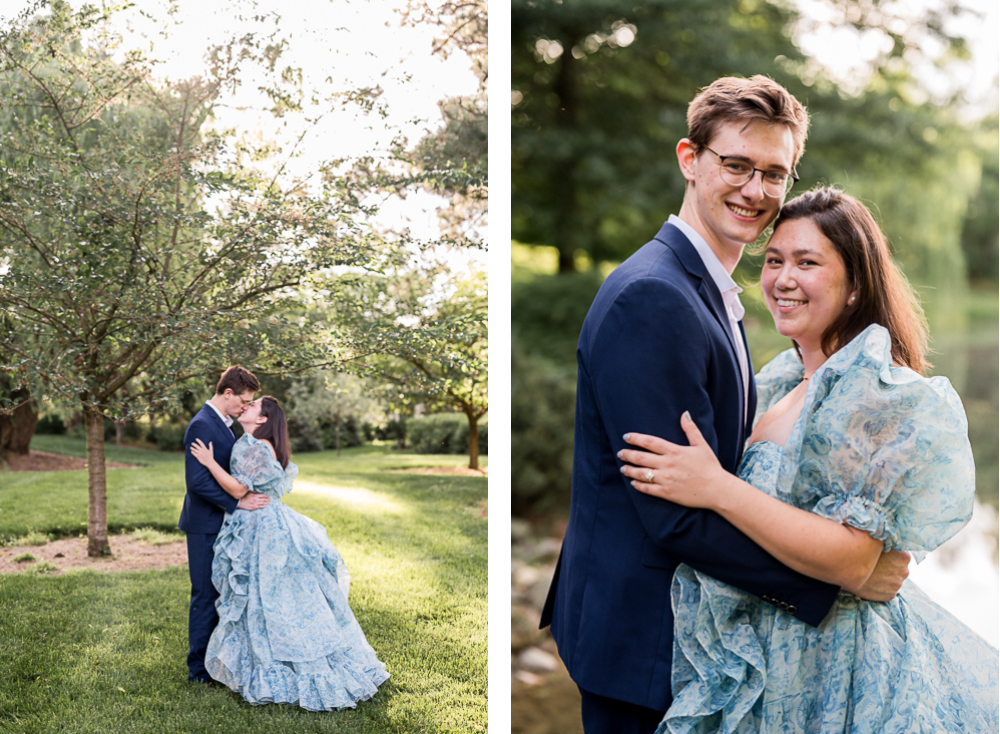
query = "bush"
{"x": 444, "y": 433}
{"x": 351, "y": 434}
{"x": 167, "y": 436}
{"x": 547, "y": 312}
{"x": 394, "y": 430}
{"x": 50, "y": 423}
{"x": 305, "y": 442}
{"x": 543, "y": 400}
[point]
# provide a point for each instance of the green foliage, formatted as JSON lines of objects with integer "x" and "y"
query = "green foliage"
{"x": 42, "y": 567}
{"x": 23, "y": 558}
{"x": 543, "y": 398}
{"x": 168, "y": 436}
{"x": 547, "y": 311}
{"x": 153, "y": 536}
{"x": 32, "y": 537}
{"x": 423, "y": 333}
{"x": 979, "y": 230}
{"x": 104, "y": 653}
{"x": 443, "y": 433}
{"x": 50, "y": 423}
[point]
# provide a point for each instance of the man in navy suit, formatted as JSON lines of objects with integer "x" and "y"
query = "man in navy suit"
{"x": 206, "y": 504}
{"x": 665, "y": 335}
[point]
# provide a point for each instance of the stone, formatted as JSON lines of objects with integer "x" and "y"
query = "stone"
{"x": 519, "y": 529}
{"x": 536, "y": 660}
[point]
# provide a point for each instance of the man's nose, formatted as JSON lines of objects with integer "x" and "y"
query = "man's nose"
{"x": 754, "y": 188}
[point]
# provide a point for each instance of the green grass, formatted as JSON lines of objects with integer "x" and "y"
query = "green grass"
{"x": 95, "y": 652}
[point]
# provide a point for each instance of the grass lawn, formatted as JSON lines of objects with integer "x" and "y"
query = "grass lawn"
{"x": 101, "y": 652}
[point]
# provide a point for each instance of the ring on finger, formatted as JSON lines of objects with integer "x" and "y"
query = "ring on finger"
{"x": 649, "y": 476}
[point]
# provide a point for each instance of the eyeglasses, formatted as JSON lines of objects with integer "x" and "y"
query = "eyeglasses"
{"x": 245, "y": 401}
{"x": 737, "y": 172}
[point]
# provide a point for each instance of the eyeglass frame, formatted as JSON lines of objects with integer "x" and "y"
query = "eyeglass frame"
{"x": 753, "y": 171}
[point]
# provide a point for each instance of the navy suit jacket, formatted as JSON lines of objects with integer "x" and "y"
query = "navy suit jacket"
{"x": 656, "y": 342}
{"x": 206, "y": 503}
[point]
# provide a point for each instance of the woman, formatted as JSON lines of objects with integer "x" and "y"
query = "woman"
{"x": 854, "y": 453}
{"x": 286, "y": 633}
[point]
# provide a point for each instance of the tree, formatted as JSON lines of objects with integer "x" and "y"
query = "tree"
{"x": 324, "y": 399}
{"x": 461, "y": 144}
{"x": 137, "y": 247}
{"x": 424, "y": 331}
{"x": 600, "y": 92}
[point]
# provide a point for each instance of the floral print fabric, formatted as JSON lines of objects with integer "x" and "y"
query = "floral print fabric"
{"x": 882, "y": 449}
{"x": 286, "y": 633}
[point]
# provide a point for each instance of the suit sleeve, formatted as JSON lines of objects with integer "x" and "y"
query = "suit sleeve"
{"x": 650, "y": 359}
{"x": 198, "y": 478}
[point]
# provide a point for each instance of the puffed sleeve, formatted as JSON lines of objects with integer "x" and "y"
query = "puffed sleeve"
{"x": 882, "y": 449}
{"x": 252, "y": 464}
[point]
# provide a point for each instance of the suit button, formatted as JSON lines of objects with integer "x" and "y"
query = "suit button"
{"x": 792, "y": 609}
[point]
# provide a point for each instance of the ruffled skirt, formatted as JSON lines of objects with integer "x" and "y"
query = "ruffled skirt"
{"x": 286, "y": 633}
{"x": 903, "y": 667}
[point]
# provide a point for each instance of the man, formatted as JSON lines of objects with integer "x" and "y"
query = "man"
{"x": 206, "y": 503}
{"x": 665, "y": 335}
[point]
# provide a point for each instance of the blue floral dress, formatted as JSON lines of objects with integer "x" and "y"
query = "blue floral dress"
{"x": 286, "y": 633}
{"x": 881, "y": 449}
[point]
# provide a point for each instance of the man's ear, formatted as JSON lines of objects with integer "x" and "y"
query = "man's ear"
{"x": 686, "y": 154}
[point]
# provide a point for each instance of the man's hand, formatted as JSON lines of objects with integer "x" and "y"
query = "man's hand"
{"x": 889, "y": 574}
{"x": 257, "y": 501}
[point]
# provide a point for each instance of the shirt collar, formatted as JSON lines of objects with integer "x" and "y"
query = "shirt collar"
{"x": 723, "y": 280}
{"x": 225, "y": 418}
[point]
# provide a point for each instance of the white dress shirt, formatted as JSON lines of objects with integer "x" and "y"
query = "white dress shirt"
{"x": 227, "y": 419}
{"x": 730, "y": 297}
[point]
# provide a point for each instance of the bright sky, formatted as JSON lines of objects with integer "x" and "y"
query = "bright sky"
{"x": 847, "y": 55}
{"x": 351, "y": 43}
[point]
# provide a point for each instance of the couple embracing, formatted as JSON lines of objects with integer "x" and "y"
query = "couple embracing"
{"x": 269, "y": 616}
{"x": 737, "y": 547}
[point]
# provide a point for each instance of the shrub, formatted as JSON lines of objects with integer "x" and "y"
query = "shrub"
{"x": 168, "y": 436}
{"x": 543, "y": 397}
{"x": 444, "y": 433}
{"x": 351, "y": 434}
{"x": 547, "y": 312}
{"x": 51, "y": 424}
{"x": 394, "y": 430}
{"x": 306, "y": 442}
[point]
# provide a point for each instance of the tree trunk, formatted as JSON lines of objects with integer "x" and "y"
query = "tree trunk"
{"x": 119, "y": 432}
{"x": 336, "y": 422}
{"x": 473, "y": 441}
{"x": 97, "y": 515}
{"x": 18, "y": 428}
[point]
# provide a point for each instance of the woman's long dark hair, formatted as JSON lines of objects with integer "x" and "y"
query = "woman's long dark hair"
{"x": 274, "y": 429}
{"x": 884, "y": 295}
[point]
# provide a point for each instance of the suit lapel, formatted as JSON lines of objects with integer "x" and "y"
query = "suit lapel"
{"x": 709, "y": 292}
{"x": 692, "y": 262}
{"x": 221, "y": 423}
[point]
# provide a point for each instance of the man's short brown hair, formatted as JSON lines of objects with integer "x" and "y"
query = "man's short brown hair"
{"x": 732, "y": 99}
{"x": 237, "y": 379}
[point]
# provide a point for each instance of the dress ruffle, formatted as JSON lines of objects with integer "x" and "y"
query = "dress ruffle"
{"x": 884, "y": 450}
{"x": 286, "y": 632}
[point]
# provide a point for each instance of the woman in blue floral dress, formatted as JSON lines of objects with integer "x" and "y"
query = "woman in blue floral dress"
{"x": 853, "y": 453}
{"x": 286, "y": 633}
